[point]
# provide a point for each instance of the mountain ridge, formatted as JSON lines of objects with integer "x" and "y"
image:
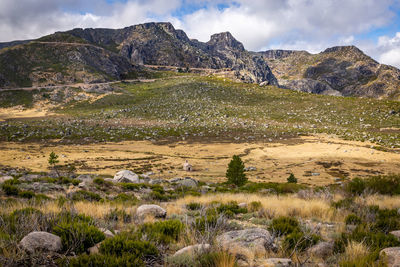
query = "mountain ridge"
{"x": 339, "y": 70}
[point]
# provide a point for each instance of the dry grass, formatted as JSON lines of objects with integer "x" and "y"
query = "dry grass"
{"x": 288, "y": 205}
{"x": 384, "y": 202}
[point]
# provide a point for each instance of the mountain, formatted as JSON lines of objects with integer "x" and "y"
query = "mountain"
{"x": 94, "y": 55}
{"x": 340, "y": 70}
{"x": 98, "y": 55}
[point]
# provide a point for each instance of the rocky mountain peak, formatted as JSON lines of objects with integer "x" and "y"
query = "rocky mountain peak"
{"x": 348, "y": 48}
{"x": 225, "y": 41}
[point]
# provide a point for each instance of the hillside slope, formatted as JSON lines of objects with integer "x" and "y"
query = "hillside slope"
{"x": 341, "y": 70}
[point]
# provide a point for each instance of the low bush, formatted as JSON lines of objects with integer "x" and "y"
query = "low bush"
{"x": 10, "y": 189}
{"x": 122, "y": 197}
{"x": 345, "y": 203}
{"x": 352, "y": 219}
{"x": 300, "y": 241}
{"x": 279, "y": 188}
{"x": 129, "y": 244}
{"x": 284, "y": 226}
{"x": 255, "y": 206}
{"x": 85, "y": 195}
{"x": 386, "y": 185}
{"x": 203, "y": 223}
{"x": 193, "y": 206}
{"x": 205, "y": 259}
{"x": 132, "y": 186}
{"x": 230, "y": 209}
{"x": 118, "y": 215}
{"x": 100, "y": 260}
{"x": 164, "y": 232}
{"x": 78, "y": 236}
{"x": 26, "y": 194}
{"x": 386, "y": 220}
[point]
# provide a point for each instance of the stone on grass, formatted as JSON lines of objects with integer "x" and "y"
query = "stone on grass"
{"x": 322, "y": 249}
{"x": 278, "y": 262}
{"x": 5, "y": 178}
{"x": 247, "y": 243}
{"x": 198, "y": 248}
{"x": 41, "y": 241}
{"x": 392, "y": 256}
{"x": 153, "y": 210}
{"x": 396, "y": 234}
{"x": 126, "y": 176}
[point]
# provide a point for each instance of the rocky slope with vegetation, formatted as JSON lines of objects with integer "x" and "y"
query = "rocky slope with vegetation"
{"x": 342, "y": 70}
{"x": 59, "y": 218}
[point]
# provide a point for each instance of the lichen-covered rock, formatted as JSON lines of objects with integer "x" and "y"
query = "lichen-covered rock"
{"x": 41, "y": 241}
{"x": 322, "y": 249}
{"x": 153, "y": 210}
{"x": 247, "y": 242}
{"x": 392, "y": 256}
{"x": 396, "y": 234}
{"x": 277, "y": 262}
{"x": 5, "y": 178}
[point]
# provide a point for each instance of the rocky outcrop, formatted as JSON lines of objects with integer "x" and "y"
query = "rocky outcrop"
{"x": 322, "y": 249}
{"x": 340, "y": 70}
{"x": 41, "y": 241}
{"x": 152, "y": 210}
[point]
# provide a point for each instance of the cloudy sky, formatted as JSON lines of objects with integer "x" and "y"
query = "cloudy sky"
{"x": 313, "y": 25}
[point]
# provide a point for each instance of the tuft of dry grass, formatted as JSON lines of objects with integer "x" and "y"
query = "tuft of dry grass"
{"x": 383, "y": 201}
{"x": 288, "y": 205}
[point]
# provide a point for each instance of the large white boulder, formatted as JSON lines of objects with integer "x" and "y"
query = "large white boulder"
{"x": 198, "y": 248}
{"x": 392, "y": 256}
{"x": 151, "y": 209}
{"x": 41, "y": 241}
{"x": 126, "y": 176}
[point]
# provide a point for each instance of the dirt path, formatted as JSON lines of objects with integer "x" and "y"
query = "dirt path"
{"x": 316, "y": 160}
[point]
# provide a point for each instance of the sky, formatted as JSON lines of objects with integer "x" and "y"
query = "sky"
{"x": 312, "y": 25}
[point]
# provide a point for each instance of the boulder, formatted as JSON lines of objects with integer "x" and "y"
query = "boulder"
{"x": 192, "y": 249}
{"x": 41, "y": 241}
{"x": 126, "y": 176}
{"x": 107, "y": 232}
{"x": 85, "y": 177}
{"x": 29, "y": 177}
{"x": 392, "y": 256}
{"x": 152, "y": 209}
{"x": 277, "y": 262}
{"x": 247, "y": 242}
{"x": 396, "y": 234}
{"x": 242, "y": 205}
{"x": 185, "y": 182}
{"x": 5, "y": 178}
{"x": 322, "y": 249}
{"x": 155, "y": 181}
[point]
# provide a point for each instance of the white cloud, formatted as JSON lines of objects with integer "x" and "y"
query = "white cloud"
{"x": 388, "y": 49}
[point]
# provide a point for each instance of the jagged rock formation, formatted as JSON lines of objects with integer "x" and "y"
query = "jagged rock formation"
{"x": 341, "y": 70}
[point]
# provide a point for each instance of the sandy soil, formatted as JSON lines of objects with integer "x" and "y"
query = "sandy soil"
{"x": 20, "y": 113}
{"x": 316, "y": 160}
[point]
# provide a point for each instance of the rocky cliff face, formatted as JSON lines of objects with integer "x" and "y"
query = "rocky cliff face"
{"x": 341, "y": 70}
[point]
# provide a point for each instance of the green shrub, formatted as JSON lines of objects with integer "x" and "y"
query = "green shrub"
{"x": 255, "y": 206}
{"x": 163, "y": 231}
{"x": 299, "y": 241}
{"x": 284, "y": 225}
{"x": 235, "y": 173}
{"x": 345, "y": 203}
{"x": 118, "y": 215}
{"x": 352, "y": 219}
{"x": 99, "y": 260}
{"x": 78, "y": 236}
{"x": 122, "y": 197}
{"x": 386, "y": 220}
{"x": 280, "y": 188}
{"x": 356, "y": 186}
{"x": 125, "y": 243}
{"x": 132, "y": 186}
{"x": 205, "y": 259}
{"x": 230, "y": 209}
{"x": 85, "y": 195}
{"x": 193, "y": 206}
{"x": 66, "y": 180}
{"x": 10, "y": 190}
{"x": 204, "y": 223}
{"x": 26, "y": 194}
{"x": 292, "y": 179}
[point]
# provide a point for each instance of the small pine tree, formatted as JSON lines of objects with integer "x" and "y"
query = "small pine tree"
{"x": 292, "y": 179}
{"x": 235, "y": 172}
{"x": 53, "y": 160}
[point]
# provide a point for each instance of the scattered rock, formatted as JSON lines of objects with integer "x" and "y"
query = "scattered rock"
{"x": 185, "y": 182}
{"x": 156, "y": 181}
{"x": 392, "y": 256}
{"x": 154, "y": 210}
{"x": 250, "y": 169}
{"x": 193, "y": 249}
{"x": 126, "y": 176}
{"x": 28, "y": 177}
{"x": 5, "y": 178}
{"x": 41, "y": 241}
{"x": 322, "y": 249}
{"x": 396, "y": 234}
{"x": 95, "y": 249}
{"x": 242, "y": 205}
{"x": 85, "y": 177}
{"x": 278, "y": 262}
{"x": 107, "y": 232}
{"x": 247, "y": 243}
